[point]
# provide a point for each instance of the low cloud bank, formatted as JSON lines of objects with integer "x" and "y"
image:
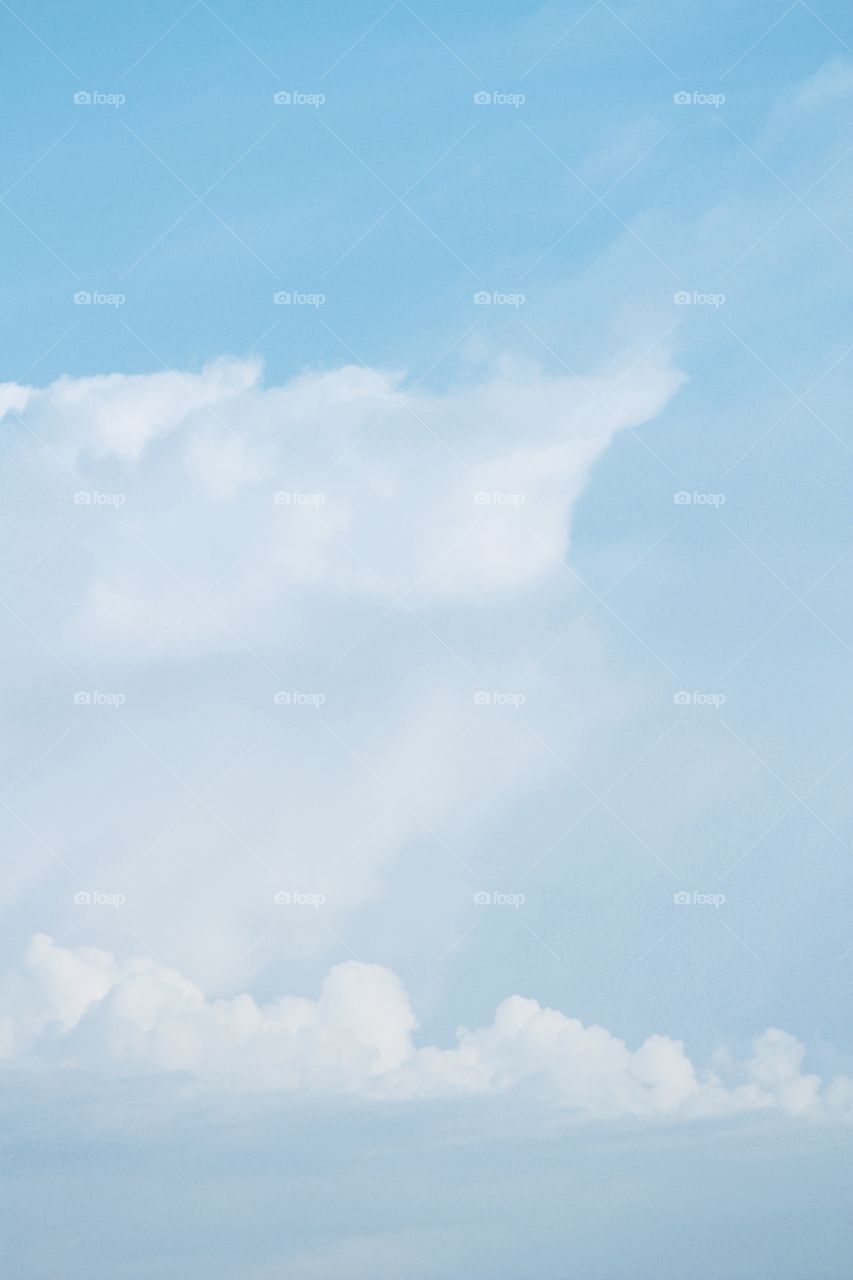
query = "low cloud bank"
{"x": 84, "y": 1008}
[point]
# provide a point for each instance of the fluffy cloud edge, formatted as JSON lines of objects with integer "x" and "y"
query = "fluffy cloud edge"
{"x": 83, "y": 1008}
{"x": 303, "y": 479}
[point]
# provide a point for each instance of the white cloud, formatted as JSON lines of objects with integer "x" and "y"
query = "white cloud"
{"x": 198, "y": 596}
{"x": 382, "y": 484}
{"x": 119, "y": 415}
{"x": 378, "y": 486}
{"x": 81, "y": 1007}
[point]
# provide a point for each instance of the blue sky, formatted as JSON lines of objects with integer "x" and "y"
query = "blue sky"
{"x": 382, "y": 656}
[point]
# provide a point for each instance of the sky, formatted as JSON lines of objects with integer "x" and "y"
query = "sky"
{"x": 426, "y": 590}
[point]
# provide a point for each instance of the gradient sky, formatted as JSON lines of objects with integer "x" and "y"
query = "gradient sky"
{"x": 263, "y": 561}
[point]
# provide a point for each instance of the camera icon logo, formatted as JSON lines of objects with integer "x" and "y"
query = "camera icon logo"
{"x": 282, "y": 98}
{"x": 682, "y": 99}
{"x": 482, "y": 899}
{"x": 282, "y": 898}
{"x": 282, "y": 698}
{"x": 682, "y": 698}
{"x": 282, "y": 298}
{"x": 82, "y": 698}
{"x": 682, "y": 898}
{"x": 482, "y": 98}
{"x": 82, "y": 298}
{"x": 83, "y": 98}
{"x": 482, "y": 698}
{"x": 482, "y": 299}
{"x": 83, "y": 898}
{"x": 682, "y": 298}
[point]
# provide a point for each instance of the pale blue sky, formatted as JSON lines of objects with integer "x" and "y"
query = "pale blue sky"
{"x": 586, "y": 191}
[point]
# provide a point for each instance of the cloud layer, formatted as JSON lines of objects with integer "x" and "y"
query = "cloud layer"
{"x": 191, "y": 544}
{"x": 81, "y": 1007}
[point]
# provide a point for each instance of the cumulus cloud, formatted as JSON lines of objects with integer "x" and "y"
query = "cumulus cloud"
{"x": 82, "y": 1008}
